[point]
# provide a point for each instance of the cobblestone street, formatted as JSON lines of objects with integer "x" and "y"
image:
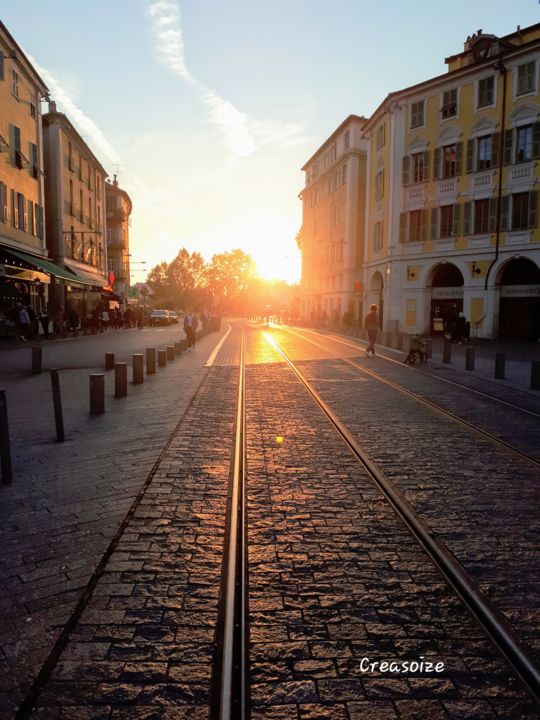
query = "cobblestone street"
{"x": 120, "y": 531}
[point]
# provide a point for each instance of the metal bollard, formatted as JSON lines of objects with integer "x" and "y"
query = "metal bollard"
{"x": 170, "y": 353}
{"x": 161, "y": 358}
{"x": 138, "y": 369}
{"x": 429, "y": 348}
{"x": 177, "y": 348}
{"x": 37, "y": 356}
{"x": 57, "y": 404}
{"x": 150, "y": 361}
{"x": 535, "y": 375}
{"x": 447, "y": 352}
{"x": 5, "y": 451}
{"x": 469, "y": 358}
{"x": 500, "y": 361}
{"x": 109, "y": 361}
{"x": 120, "y": 379}
{"x": 97, "y": 394}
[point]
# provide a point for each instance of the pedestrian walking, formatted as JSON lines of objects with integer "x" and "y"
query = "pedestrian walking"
{"x": 371, "y": 323}
{"x": 139, "y": 315}
{"x": 188, "y": 329}
{"x": 23, "y": 323}
{"x": 44, "y": 320}
{"x": 104, "y": 319}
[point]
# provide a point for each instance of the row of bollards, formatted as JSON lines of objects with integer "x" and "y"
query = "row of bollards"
{"x": 153, "y": 358}
{"x": 500, "y": 364}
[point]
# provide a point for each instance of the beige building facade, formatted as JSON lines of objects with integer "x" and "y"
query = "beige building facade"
{"x": 331, "y": 238}
{"x": 75, "y": 216}
{"x": 118, "y": 212}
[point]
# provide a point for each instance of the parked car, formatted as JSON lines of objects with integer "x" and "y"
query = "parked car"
{"x": 159, "y": 317}
{"x": 173, "y": 316}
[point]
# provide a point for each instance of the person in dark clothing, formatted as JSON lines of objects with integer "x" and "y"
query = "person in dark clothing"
{"x": 371, "y": 323}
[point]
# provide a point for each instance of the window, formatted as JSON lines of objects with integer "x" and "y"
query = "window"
{"x": 481, "y": 216}
{"x": 1, "y": 64}
{"x": 447, "y": 219}
{"x": 418, "y": 168}
{"x": 80, "y": 166}
{"x": 15, "y": 83}
{"x": 526, "y": 76}
{"x": 90, "y": 213}
{"x": 343, "y": 174}
{"x": 21, "y": 212}
{"x": 379, "y": 185}
{"x": 346, "y": 140}
{"x": 449, "y": 161}
{"x": 486, "y": 88}
{"x": 484, "y": 148}
{"x": 524, "y": 143}
{"x": 71, "y": 203}
{"x": 417, "y": 114}
{"x": 70, "y": 156}
{"x": 81, "y": 205}
{"x": 379, "y": 138}
{"x": 449, "y": 108}
{"x": 415, "y": 226}
{"x": 520, "y": 211}
{"x": 33, "y": 105}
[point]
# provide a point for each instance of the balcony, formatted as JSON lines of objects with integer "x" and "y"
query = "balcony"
{"x": 521, "y": 173}
{"x": 116, "y": 216}
{"x": 482, "y": 180}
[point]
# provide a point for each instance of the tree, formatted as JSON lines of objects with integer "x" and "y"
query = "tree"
{"x": 158, "y": 282}
{"x": 186, "y": 277}
{"x": 228, "y": 276}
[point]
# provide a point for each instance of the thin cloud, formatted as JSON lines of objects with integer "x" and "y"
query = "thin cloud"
{"x": 165, "y": 15}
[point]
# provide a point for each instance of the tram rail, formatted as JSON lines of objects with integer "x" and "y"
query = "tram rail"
{"x": 429, "y": 403}
{"x": 490, "y": 619}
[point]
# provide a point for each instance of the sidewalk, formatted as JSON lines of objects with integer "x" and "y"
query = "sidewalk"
{"x": 67, "y": 500}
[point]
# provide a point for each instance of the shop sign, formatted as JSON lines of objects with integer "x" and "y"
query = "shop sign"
{"x": 510, "y": 291}
{"x": 446, "y": 293}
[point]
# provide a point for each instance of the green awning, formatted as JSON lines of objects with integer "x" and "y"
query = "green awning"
{"x": 49, "y": 267}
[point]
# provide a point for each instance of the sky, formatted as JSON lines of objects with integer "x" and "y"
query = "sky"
{"x": 207, "y": 109}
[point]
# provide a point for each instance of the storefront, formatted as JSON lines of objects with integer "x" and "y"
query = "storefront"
{"x": 519, "y": 305}
{"x": 446, "y": 297}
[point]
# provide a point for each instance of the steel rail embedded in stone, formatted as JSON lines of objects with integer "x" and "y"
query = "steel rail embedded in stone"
{"x": 431, "y": 405}
{"x": 490, "y": 619}
{"x": 231, "y": 668}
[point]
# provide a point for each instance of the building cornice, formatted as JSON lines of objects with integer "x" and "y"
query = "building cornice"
{"x": 58, "y": 118}
{"x": 23, "y": 60}
{"x": 348, "y": 121}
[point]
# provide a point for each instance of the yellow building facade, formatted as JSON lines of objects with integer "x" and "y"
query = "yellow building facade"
{"x": 452, "y": 194}
{"x": 331, "y": 239}
{"x": 22, "y": 231}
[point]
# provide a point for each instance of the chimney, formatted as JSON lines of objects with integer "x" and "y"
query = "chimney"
{"x": 52, "y": 106}
{"x": 115, "y": 181}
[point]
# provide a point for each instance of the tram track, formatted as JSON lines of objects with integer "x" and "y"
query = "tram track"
{"x": 430, "y": 404}
{"x": 491, "y": 620}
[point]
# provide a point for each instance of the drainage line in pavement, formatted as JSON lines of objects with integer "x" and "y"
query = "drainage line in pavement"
{"x": 26, "y": 707}
{"x": 230, "y": 693}
{"x": 490, "y": 619}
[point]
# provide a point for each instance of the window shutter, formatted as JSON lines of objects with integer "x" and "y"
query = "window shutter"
{"x": 456, "y": 221}
{"x": 403, "y": 227}
{"x": 504, "y": 213}
{"x": 434, "y": 222}
{"x": 492, "y": 219}
{"x": 495, "y": 149}
{"x": 508, "y": 137}
{"x": 30, "y": 216}
{"x": 536, "y": 140}
{"x": 426, "y": 166}
{"x": 405, "y": 170}
{"x": 437, "y": 163}
{"x": 467, "y": 207}
{"x": 423, "y": 225}
{"x": 374, "y": 235}
{"x": 470, "y": 156}
{"x": 533, "y": 205}
{"x": 40, "y": 222}
{"x": 14, "y": 210}
{"x": 459, "y": 158}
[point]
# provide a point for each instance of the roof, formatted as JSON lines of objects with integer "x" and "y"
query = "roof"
{"x": 469, "y": 69}
{"x": 112, "y": 189}
{"x": 336, "y": 132}
{"x": 38, "y": 80}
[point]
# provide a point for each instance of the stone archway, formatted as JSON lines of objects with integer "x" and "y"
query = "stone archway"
{"x": 518, "y": 282}
{"x": 446, "y": 282}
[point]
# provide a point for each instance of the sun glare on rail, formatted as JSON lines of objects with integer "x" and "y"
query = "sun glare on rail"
{"x": 270, "y": 340}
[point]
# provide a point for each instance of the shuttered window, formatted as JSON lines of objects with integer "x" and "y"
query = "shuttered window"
{"x": 526, "y": 78}
{"x": 485, "y": 92}
{"x": 484, "y": 153}
{"x": 417, "y": 114}
{"x": 524, "y": 144}
{"x": 481, "y": 216}
{"x": 447, "y": 221}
